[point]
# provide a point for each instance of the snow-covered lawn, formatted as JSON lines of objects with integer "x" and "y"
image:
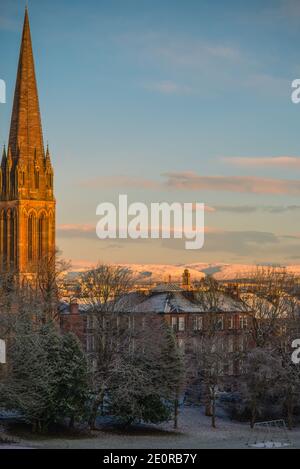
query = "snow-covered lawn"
{"x": 194, "y": 432}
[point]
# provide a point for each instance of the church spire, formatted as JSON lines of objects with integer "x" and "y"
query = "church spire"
{"x": 26, "y": 138}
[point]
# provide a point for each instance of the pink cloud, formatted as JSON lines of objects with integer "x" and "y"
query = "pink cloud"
{"x": 250, "y": 184}
{"x": 276, "y": 161}
{"x": 121, "y": 182}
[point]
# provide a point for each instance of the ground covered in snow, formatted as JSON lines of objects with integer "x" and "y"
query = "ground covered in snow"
{"x": 194, "y": 432}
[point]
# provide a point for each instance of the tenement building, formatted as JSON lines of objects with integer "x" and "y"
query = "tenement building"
{"x": 27, "y": 203}
{"x": 192, "y": 316}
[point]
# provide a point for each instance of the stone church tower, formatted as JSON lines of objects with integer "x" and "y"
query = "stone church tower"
{"x": 27, "y": 203}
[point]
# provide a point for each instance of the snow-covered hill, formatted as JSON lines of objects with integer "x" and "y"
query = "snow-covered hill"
{"x": 163, "y": 272}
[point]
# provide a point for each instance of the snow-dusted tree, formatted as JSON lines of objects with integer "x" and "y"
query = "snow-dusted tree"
{"x": 30, "y": 382}
{"x": 288, "y": 373}
{"x": 287, "y": 386}
{"x": 104, "y": 291}
{"x": 211, "y": 361}
{"x": 42, "y": 373}
{"x": 259, "y": 381}
{"x": 146, "y": 384}
{"x": 72, "y": 380}
{"x": 171, "y": 373}
{"x": 270, "y": 302}
{"x": 211, "y": 357}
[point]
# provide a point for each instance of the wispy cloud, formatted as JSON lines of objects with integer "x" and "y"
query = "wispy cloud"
{"x": 121, "y": 182}
{"x": 195, "y": 53}
{"x": 236, "y": 208}
{"x": 208, "y": 64}
{"x": 8, "y": 24}
{"x": 233, "y": 242}
{"x": 191, "y": 181}
{"x": 240, "y": 209}
{"x": 249, "y": 184}
{"x": 269, "y": 161}
{"x": 168, "y": 87}
{"x": 268, "y": 84}
{"x": 76, "y": 230}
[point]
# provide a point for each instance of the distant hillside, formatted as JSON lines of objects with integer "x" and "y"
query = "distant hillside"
{"x": 161, "y": 272}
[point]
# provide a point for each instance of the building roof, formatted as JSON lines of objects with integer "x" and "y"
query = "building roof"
{"x": 186, "y": 302}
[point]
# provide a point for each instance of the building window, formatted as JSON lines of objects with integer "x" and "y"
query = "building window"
{"x": 41, "y": 236}
{"x": 220, "y": 323}
{"x": 181, "y": 323}
{"x": 90, "y": 321}
{"x": 30, "y": 236}
{"x": 90, "y": 343}
{"x": 198, "y": 323}
{"x": 242, "y": 344}
{"x": 243, "y": 322}
{"x": 174, "y": 323}
{"x": 231, "y": 323}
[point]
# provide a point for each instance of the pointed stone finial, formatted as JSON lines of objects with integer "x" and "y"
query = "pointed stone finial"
{"x": 4, "y": 154}
{"x": 47, "y": 151}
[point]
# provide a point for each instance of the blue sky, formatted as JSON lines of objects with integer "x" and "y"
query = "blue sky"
{"x": 168, "y": 100}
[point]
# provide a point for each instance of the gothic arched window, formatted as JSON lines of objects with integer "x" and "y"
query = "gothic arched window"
{"x": 30, "y": 236}
{"x": 12, "y": 236}
{"x": 42, "y": 236}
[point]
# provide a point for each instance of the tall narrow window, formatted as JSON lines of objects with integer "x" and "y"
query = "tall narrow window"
{"x": 12, "y": 238}
{"x": 181, "y": 323}
{"x": 4, "y": 238}
{"x": 30, "y": 236}
{"x": 37, "y": 179}
{"x": 41, "y": 236}
{"x": 49, "y": 180}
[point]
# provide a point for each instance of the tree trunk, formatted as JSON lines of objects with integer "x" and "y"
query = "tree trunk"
{"x": 253, "y": 416}
{"x": 290, "y": 414}
{"x": 213, "y": 410}
{"x": 94, "y": 410}
{"x": 208, "y": 409}
{"x": 176, "y": 412}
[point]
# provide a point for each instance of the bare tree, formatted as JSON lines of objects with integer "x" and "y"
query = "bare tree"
{"x": 49, "y": 283}
{"x": 260, "y": 376}
{"x": 103, "y": 290}
{"x": 270, "y": 303}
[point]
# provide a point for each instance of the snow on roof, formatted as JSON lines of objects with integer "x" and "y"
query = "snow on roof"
{"x": 186, "y": 302}
{"x": 167, "y": 287}
{"x": 155, "y": 303}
